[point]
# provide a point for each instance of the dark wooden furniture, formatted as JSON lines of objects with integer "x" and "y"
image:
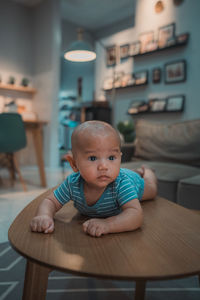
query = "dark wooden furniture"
{"x": 166, "y": 247}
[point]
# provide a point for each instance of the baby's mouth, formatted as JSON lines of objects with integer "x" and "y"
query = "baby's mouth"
{"x": 103, "y": 177}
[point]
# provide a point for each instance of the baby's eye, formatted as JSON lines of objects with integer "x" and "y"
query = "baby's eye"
{"x": 92, "y": 158}
{"x": 111, "y": 157}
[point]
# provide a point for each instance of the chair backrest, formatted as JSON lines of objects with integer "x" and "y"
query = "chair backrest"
{"x": 12, "y": 133}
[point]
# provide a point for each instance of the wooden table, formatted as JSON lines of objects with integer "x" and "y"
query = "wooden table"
{"x": 36, "y": 129}
{"x": 166, "y": 247}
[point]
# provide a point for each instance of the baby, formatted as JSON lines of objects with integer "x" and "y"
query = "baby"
{"x": 100, "y": 189}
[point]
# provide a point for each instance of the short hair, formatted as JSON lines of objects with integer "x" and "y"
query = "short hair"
{"x": 94, "y": 127}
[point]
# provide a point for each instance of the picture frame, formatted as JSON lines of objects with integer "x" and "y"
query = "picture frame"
{"x": 157, "y": 105}
{"x": 182, "y": 38}
{"x": 146, "y": 39}
{"x": 175, "y": 71}
{"x": 156, "y": 75}
{"x": 166, "y": 35}
{"x": 111, "y": 55}
{"x": 124, "y": 51}
{"x": 127, "y": 80}
{"x": 141, "y": 77}
{"x": 134, "y": 48}
{"x": 175, "y": 103}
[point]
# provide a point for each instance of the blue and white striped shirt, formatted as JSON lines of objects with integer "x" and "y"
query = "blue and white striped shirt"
{"x": 127, "y": 186}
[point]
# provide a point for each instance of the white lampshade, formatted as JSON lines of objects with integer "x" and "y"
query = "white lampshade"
{"x": 80, "y": 51}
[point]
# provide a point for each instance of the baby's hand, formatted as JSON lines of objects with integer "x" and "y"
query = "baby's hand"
{"x": 42, "y": 224}
{"x": 96, "y": 227}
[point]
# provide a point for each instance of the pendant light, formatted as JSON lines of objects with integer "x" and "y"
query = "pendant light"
{"x": 80, "y": 51}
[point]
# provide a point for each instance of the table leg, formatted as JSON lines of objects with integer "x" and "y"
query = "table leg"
{"x": 35, "y": 282}
{"x": 37, "y": 137}
{"x": 140, "y": 290}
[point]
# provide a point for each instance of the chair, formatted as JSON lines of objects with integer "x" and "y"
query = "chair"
{"x": 12, "y": 139}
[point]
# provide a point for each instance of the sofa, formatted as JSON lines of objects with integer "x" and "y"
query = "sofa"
{"x": 172, "y": 150}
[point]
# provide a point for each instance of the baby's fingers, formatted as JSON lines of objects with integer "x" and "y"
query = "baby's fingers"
{"x": 50, "y": 228}
{"x": 85, "y": 225}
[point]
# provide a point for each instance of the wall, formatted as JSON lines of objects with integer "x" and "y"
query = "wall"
{"x": 71, "y": 71}
{"x": 16, "y": 43}
{"x": 186, "y": 17}
{"x": 47, "y": 45}
{"x": 30, "y": 46}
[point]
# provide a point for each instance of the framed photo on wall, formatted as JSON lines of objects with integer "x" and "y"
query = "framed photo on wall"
{"x": 175, "y": 71}
{"x": 111, "y": 56}
{"x": 141, "y": 77}
{"x": 156, "y": 75}
{"x": 146, "y": 39}
{"x": 124, "y": 51}
{"x": 166, "y": 35}
{"x": 175, "y": 103}
{"x": 157, "y": 105}
{"x": 134, "y": 48}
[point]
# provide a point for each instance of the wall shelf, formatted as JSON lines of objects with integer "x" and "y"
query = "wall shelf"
{"x": 125, "y": 87}
{"x": 13, "y": 87}
{"x": 155, "y": 112}
{"x": 177, "y": 45}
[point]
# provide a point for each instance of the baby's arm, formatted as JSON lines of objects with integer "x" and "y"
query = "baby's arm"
{"x": 43, "y": 221}
{"x": 129, "y": 219}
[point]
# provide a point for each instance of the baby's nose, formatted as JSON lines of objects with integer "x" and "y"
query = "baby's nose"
{"x": 102, "y": 164}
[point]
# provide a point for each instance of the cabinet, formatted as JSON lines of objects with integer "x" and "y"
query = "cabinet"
{"x": 96, "y": 110}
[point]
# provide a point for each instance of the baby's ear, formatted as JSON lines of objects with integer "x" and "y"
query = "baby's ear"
{"x": 71, "y": 160}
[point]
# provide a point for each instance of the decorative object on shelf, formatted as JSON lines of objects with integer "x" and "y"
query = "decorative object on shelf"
{"x": 122, "y": 80}
{"x": 124, "y": 51}
{"x": 156, "y": 75}
{"x": 134, "y": 48}
{"x": 175, "y": 71}
{"x": 118, "y": 79}
{"x": 182, "y": 38}
{"x": 111, "y": 55}
{"x": 138, "y": 106}
{"x": 141, "y": 77}
{"x": 80, "y": 51}
{"x": 25, "y": 81}
{"x": 127, "y": 129}
{"x": 146, "y": 39}
{"x": 108, "y": 83}
{"x": 127, "y": 80}
{"x": 159, "y": 7}
{"x": 175, "y": 103}
{"x": 11, "y": 80}
{"x": 157, "y": 105}
{"x": 166, "y": 35}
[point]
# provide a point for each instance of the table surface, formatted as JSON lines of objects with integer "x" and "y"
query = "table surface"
{"x": 167, "y": 246}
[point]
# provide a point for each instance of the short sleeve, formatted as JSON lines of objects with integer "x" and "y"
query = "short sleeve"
{"x": 63, "y": 193}
{"x": 130, "y": 189}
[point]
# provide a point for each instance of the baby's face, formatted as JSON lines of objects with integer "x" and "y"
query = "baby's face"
{"x": 98, "y": 159}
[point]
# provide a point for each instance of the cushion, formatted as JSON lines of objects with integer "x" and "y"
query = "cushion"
{"x": 189, "y": 192}
{"x": 178, "y": 142}
{"x": 168, "y": 175}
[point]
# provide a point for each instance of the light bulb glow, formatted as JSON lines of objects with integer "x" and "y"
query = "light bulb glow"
{"x": 80, "y": 55}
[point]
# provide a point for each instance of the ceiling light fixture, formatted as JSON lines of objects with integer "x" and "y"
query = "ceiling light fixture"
{"x": 80, "y": 51}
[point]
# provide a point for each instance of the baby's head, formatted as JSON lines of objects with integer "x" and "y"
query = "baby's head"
{"x": 92, "y": 131}
{"x": 96, "y": 152}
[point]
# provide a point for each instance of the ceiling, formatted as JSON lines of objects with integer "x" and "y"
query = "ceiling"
{"x": 100, "y": 17}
